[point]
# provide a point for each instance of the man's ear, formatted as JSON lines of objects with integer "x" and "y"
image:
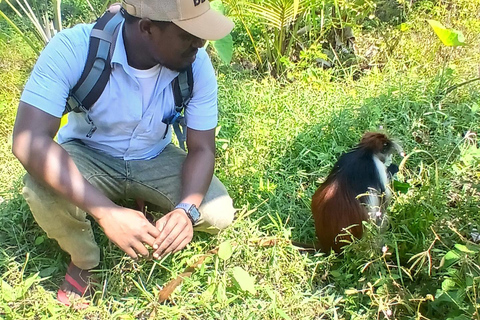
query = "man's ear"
{"x": 145, "y": 25}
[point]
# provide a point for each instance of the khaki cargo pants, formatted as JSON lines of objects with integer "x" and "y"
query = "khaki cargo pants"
{"x": 157, "y": 181}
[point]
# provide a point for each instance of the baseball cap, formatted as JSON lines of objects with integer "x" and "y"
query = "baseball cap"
{"x": 194, "y": 16}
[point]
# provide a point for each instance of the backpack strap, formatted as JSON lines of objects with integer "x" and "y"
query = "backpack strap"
{"x": 182, "y": 87}
{"x": 96, "y": 72}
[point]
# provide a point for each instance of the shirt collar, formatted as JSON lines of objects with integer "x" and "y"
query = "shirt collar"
{"x": 119, "y": 54}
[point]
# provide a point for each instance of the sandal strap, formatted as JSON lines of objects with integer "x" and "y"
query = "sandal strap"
{"x": 80, "y": 290}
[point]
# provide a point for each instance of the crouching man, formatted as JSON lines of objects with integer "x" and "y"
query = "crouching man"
{"x": 129, "y": 155}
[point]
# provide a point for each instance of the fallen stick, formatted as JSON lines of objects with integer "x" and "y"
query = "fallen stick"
{"x": 167, "y": 290}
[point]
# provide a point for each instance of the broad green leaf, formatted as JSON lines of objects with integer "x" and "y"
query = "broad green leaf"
{"x": 448, "y": 285}
{"x": 9, "y": 294}
{"x": 208, "y": 293}
{"x": 39, "y": 240}
{"x": 404, "y": 27}
{"x": 469, "y": 281}
{"x": 460, "y": 317}
{"x": 245, "y": 281}
{"x": 450, "y": 258}
{"x": 463, "y": 248}
{"x": 221, "y": 294}
{"x": 401, "y": 186}
{"x": 29, "y": 282}
{"x": 224, "y": 48}
{"x": 441, "y": 298}
{"x": 217, "y": 5}
{"x": 47, "y": 271}
{"x": 225, "y": 250}
{"x": 335, "y": 273}
{"x": 449, "y": 37}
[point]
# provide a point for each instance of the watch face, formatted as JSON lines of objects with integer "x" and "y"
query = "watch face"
{"x": 191, "y": 211}
{"x": 195, "y": 215}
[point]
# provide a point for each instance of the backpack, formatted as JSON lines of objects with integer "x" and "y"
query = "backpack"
{"x": 96, "y": 74}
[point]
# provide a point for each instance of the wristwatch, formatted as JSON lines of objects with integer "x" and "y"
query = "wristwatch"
{"x": 191, "y": 211}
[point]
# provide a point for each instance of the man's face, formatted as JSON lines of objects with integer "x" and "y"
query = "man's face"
{"x": 172, "y": 47}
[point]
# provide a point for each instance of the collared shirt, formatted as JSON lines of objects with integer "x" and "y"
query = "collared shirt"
{"x": 124, "y": 130}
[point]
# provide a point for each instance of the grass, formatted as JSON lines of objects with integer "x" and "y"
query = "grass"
{"x": 16, "y": 59}
{"x": 276, "y": 142}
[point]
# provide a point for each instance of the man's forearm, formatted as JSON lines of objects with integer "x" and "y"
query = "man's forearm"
{"x": 197, "y": 175}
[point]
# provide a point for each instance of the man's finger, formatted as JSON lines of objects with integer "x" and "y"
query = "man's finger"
{"x": 167, "y": 226}
{"x": 140, "y": 249}
{"x": 166, "y": 239}
{"x": 151, "y": 229}
{"x": 160, "y": 224}
{"x": 173, "y": 245}
{"x": 148, "y": 238}
{"x": 131, "y": 253}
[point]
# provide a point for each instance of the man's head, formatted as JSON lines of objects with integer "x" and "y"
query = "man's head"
{"x": 172, "y": 31}
{"x": 194, "y": 16}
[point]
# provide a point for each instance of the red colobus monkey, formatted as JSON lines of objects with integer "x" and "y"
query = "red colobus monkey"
{"x": 355, "y": 190}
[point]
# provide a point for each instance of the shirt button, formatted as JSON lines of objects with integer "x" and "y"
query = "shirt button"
{"x": 136, "y": 88}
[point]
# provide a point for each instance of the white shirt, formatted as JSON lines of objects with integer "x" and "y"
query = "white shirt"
{"x": 147, "y": 80}
{"x": 124, "y": 128}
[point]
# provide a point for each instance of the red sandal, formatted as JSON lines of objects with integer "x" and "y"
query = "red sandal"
{"x": 84, "y": 291}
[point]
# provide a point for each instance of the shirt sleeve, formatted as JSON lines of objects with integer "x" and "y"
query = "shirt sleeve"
{"x": 202, "y": 110}
{"x": 57, "y": 70}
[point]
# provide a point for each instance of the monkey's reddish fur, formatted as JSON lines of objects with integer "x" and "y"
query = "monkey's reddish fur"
{"x": 335, "y": 206}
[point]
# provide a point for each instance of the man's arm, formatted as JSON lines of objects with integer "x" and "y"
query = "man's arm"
{"x": 197, "y": 172}
{"x": 49, "y": 163}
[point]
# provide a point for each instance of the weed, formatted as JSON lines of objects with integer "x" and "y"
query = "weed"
{"x": 276, "y": 142}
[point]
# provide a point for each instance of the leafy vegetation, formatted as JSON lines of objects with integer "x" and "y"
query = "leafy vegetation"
{"x": 277, "y": 139}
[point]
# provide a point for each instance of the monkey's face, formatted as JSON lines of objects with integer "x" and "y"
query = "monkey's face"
{"x": 389, "y": 147}
{"x": 380, "y": 145}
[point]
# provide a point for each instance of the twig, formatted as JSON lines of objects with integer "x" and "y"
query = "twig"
{"x": 167, "y": 290}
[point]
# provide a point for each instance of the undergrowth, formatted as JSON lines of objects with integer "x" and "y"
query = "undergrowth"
{"x": 276, "y": 142}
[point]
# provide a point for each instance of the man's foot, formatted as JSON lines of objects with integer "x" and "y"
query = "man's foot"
{"x": 76, "y": 289}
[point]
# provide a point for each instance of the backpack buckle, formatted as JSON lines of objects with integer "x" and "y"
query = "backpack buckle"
{"x": 89, "y": 120}
{"x": 175, "y": 117}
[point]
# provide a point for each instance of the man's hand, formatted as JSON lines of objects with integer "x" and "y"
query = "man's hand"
{"x": 129, "y": 230}
{"x": 176, "y": 231}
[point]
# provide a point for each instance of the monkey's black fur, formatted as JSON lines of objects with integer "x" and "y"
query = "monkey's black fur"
{"x": 355, "y": 188}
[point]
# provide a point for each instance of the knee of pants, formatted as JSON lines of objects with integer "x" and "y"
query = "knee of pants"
{"x": 35, "y": 193}
{"x": 42, "y": 201}
{"x": 63, "y": 222}
{"x": 217, "y": 214}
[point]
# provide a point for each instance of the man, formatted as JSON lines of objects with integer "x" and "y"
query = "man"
{"x": 130, "y": 155}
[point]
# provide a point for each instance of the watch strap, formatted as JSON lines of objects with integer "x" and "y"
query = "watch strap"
{"x": 187, "y": 207}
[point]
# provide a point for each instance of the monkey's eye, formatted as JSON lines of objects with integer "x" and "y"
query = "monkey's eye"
{"x": 386, "y": 146}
